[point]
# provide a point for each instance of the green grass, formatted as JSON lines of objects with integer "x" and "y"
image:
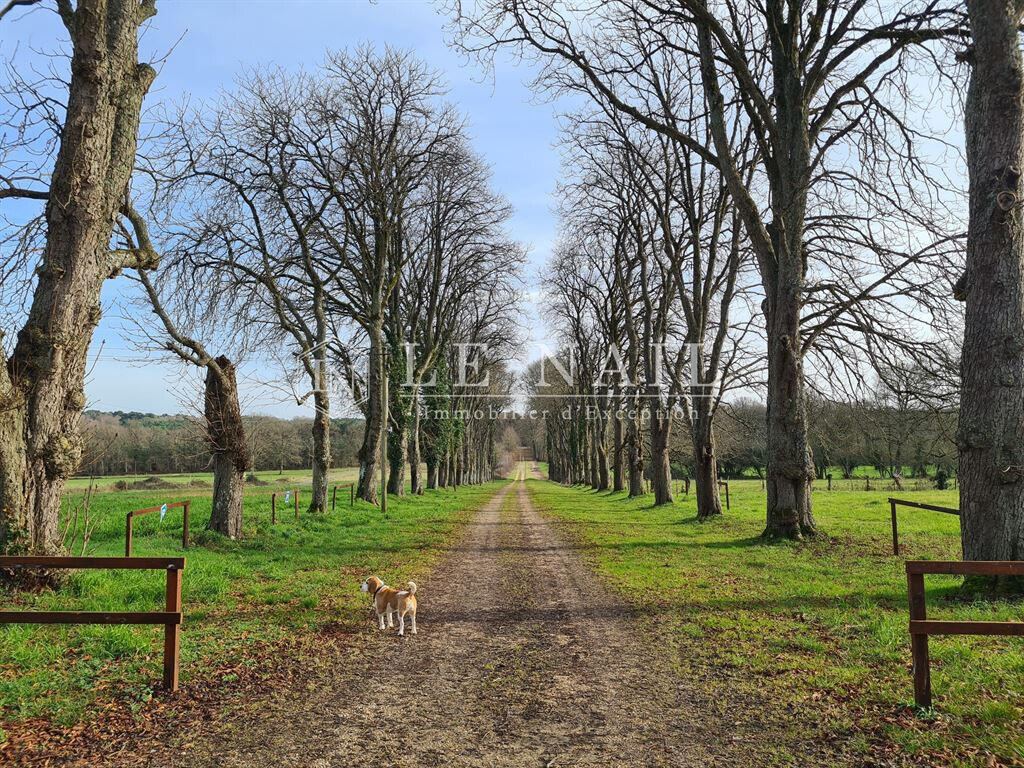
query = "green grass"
{"x": 818, "y": 627}
{"x": 298, "y": 576}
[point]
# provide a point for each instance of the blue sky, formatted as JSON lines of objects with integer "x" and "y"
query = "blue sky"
{"x": 210, "y": 41}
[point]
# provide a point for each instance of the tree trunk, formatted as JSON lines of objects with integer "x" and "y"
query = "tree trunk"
{"x": 635, "y": 455}
{"x": 602, "y": 452}
{"x": 705, "y": 465}
{"x": 398, "y": 420}
{"x": 619, "y": 471}
{"x": 321, "y": 450}
{"x": 398, "y": 441}
{"x": 228, "y": 486}
{"x": 583, "y": 431}
{"x": 225, "y": 434}
{"x": 42, "y": 385}
{"x": 369, "y": 451}
{"x": 661, "y": 467}
{"x": 790, "y": 463}
{"x": 790, "y": 466}
{"x": 990, "y": 435}
{"x": 491, "y": 458}
{"x": 415, "y": 481}
{"x": 554, "y": 457}
{"x": 460, "y": 464}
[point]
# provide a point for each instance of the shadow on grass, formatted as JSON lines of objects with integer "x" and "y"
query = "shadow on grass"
{"x": 744, "y": 543}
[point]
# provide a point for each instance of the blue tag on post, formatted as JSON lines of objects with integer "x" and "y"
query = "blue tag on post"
{"x": 163, "y": 512}
{"x": 287, "y": 497}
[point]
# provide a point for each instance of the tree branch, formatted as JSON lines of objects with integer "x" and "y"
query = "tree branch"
{"x": 24, "y": 194}
{"x": 12, "y": 4}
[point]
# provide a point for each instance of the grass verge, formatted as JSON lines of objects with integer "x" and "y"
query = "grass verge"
{"x": 818, "y": 630}
{"x": 240, "y": 598}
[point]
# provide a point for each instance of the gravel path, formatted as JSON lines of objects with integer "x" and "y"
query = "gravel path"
{"x": 522, "y": 659}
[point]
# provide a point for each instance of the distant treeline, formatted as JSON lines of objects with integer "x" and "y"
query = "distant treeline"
{"x": 913, "y": 441}
{"x": 133, "y": 443}
{"x": 890, "y": 436}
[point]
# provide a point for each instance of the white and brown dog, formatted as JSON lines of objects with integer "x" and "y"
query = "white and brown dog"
{"x": 388, "y": 601}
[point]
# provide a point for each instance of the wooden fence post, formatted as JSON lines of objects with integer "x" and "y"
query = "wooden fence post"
{"x": 296, "y": 503}
{"x": 172, "y": 632}
{"x": 895, "y": 530}
{"x": 170, "y": 618}
{"x": 334, "y": 498}
{"x": 919, "y": 642}
{"x": 184, "y": 529}
{"x": 273, "y": 508}
{"x": 351, "y": 494}
{"x": 128, "y": 536}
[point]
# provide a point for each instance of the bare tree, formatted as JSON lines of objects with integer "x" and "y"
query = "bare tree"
{"x": 679, "y": 261}
{"x": 252, "y": 166}
{"x": 41, "y": 385}
{"x": 382, "y": 123}
{"x": 810, "y": 81}
{"x": 575, "y": 310}
{"x": 457, "y": 252}
{"x": 191, "y": 304}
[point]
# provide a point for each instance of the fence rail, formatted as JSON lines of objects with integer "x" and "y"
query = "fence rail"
{"x": 185, "y": 505}
{"x": 921, "y": 627}
{"x": 170, "y": 617}
{"x": 893, "y": 503}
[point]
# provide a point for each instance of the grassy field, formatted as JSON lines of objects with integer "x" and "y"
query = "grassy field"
{"x": 817, "y": 630}
{"x": 861, "y": 471}
{"x": 200, "y": 479}
{"x": 298, "y": 576}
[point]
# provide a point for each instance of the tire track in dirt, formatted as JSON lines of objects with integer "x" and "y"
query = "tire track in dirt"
{"x": 522, "y": 659}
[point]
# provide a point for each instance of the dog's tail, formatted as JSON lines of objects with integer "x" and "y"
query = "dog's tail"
{"x": 411, "y": 587}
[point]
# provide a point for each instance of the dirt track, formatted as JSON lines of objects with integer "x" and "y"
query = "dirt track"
{"x": 522, "y": 659}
